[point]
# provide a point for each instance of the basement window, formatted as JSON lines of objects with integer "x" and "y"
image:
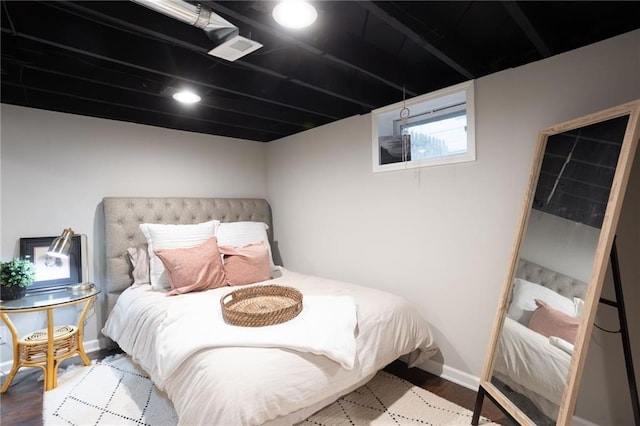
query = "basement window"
{"x": 428, "y": 130}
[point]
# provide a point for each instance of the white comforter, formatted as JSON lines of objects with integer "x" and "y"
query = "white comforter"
{"x": 214, "y": 377}
{"x": 326, "y": 326}
{"x": 533, "y": 364}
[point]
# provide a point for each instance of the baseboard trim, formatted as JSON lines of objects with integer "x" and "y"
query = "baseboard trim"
{"x": 579, "y": 421}
{"x": 95, "y": 345}
{"x": 451, "y": 374}
{"x": 89, "y": 346}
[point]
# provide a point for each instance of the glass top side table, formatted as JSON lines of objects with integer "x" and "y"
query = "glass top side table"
{"x": 47, "y": 348}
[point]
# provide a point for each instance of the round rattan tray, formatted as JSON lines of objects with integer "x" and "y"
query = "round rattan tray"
{"x": 261, "y": 305}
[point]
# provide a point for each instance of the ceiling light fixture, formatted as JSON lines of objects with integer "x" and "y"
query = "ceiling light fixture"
{"x": 186, "y": 97}
{"x": 294, "y": 14}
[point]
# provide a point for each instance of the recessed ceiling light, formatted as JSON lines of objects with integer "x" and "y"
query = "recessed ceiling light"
{"x": 294, "y": 14}
{"x": 186, "y": 97}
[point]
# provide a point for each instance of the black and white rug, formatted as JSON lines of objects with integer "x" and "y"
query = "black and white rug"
{"x": 116, "y": 391}
{"x": 389, "y": 400}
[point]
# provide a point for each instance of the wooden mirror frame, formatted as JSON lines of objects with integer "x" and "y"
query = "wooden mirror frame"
{"x": 598, "y": 270}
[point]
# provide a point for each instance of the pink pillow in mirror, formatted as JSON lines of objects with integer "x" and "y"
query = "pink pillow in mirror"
{"x": 195, "y": 268}
{"x": 550, "y": 322}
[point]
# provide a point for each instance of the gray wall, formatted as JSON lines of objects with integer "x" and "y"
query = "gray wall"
{"x": 56, "y": 168}
{"x": 560, "y": 244}
{"x": 442, "y": 236}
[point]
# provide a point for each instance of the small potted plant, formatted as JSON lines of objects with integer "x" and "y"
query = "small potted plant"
{"x": 15, "y": 276}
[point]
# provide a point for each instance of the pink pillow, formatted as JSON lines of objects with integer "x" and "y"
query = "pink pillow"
{"x": 139, "y": 257}
{"x": 195, "y": 268}
{"x": 550, "y": 322}
{"x": 246, "y": 265}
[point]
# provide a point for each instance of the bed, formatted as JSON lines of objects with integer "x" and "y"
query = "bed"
{"x": 215, "y": 373}
{"x": 531, "y": 367}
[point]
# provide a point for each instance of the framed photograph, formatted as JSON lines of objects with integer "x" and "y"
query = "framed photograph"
{"x": 52, "y": 271}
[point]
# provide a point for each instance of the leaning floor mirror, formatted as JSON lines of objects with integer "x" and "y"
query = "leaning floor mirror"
{"x": 560, "y": 256}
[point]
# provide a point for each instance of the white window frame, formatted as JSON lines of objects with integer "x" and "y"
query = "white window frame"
{"x": 385, "y": 122}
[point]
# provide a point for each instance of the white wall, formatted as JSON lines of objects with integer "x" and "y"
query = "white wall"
{"x": 442, "y": 236}
{"x": 560, "y": 244}
{"x": 56, "y": 168}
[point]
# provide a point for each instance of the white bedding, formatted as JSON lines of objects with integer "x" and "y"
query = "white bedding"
{"x": 532, "y": 365}
{"x": 326, "y": 326}
{"x": 243, "y": 385}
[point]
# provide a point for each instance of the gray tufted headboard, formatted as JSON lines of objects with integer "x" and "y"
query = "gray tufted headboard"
{"x": 562, "y": 284}
{"x": 122, "y": 217}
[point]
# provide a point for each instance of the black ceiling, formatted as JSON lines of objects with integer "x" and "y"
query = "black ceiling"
{"x": 577, "y": 171}
{"x": 119, "y": 60}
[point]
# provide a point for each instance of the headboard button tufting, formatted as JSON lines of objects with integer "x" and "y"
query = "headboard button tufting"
{"x": 123, "y": 216}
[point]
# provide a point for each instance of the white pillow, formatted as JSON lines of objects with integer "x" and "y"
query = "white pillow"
{"x": 160, "y": 236}
{"x": 239, "y": 234}
{"x": 561, "y": 344}
{"x": 523, "y": 301}
{"x": 579, "y": 306}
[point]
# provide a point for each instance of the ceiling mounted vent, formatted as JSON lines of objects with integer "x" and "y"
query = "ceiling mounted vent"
{"x": 230, "y": 45}
{"x": 234, "y": 48}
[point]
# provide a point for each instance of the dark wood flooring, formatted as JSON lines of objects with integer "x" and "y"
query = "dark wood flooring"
{"x": 22, "y": 403}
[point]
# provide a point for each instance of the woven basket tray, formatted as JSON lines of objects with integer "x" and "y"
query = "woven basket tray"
{"x": 261, "y": 305}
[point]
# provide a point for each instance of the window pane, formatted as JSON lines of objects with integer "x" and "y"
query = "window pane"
{"x": 429, "y": 130}
{"x": 439, "y": 137}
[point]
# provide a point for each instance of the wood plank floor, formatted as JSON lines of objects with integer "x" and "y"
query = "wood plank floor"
{"x": 22, "y": 403}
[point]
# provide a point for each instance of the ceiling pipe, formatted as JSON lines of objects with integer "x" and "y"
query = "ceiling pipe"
{"x": 229, "y": 44}
{"x": 217, "y": 28}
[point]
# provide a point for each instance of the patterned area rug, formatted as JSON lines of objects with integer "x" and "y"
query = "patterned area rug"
{"x": 115, "y": 391}
{"x": 389, "y": 400}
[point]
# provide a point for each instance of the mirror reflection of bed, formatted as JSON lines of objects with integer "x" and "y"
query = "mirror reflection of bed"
{"x": 534, "y": 352}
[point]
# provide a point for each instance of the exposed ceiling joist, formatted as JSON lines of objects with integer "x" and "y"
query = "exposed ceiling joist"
{"x": 163, "y": 61}
{"x": 347, "y": 91}
{"x": 71, "y": 69}
{"x": 366, "y": 69}
{"x": 521, "y": 19}
{"x": 417, "y": 38}
{"x": 121, "y": 61}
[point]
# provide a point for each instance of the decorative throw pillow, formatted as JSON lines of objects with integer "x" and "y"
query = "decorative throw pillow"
{"x": 523, "y": 300}
{"x": 246, "y": 265}
{"x": 551, "y": 322}
{"x": 139, "y": 258}
{"x": 239, "y": 234}
{"x": 193, "y": 269}
{"x": 160, "y": 236}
